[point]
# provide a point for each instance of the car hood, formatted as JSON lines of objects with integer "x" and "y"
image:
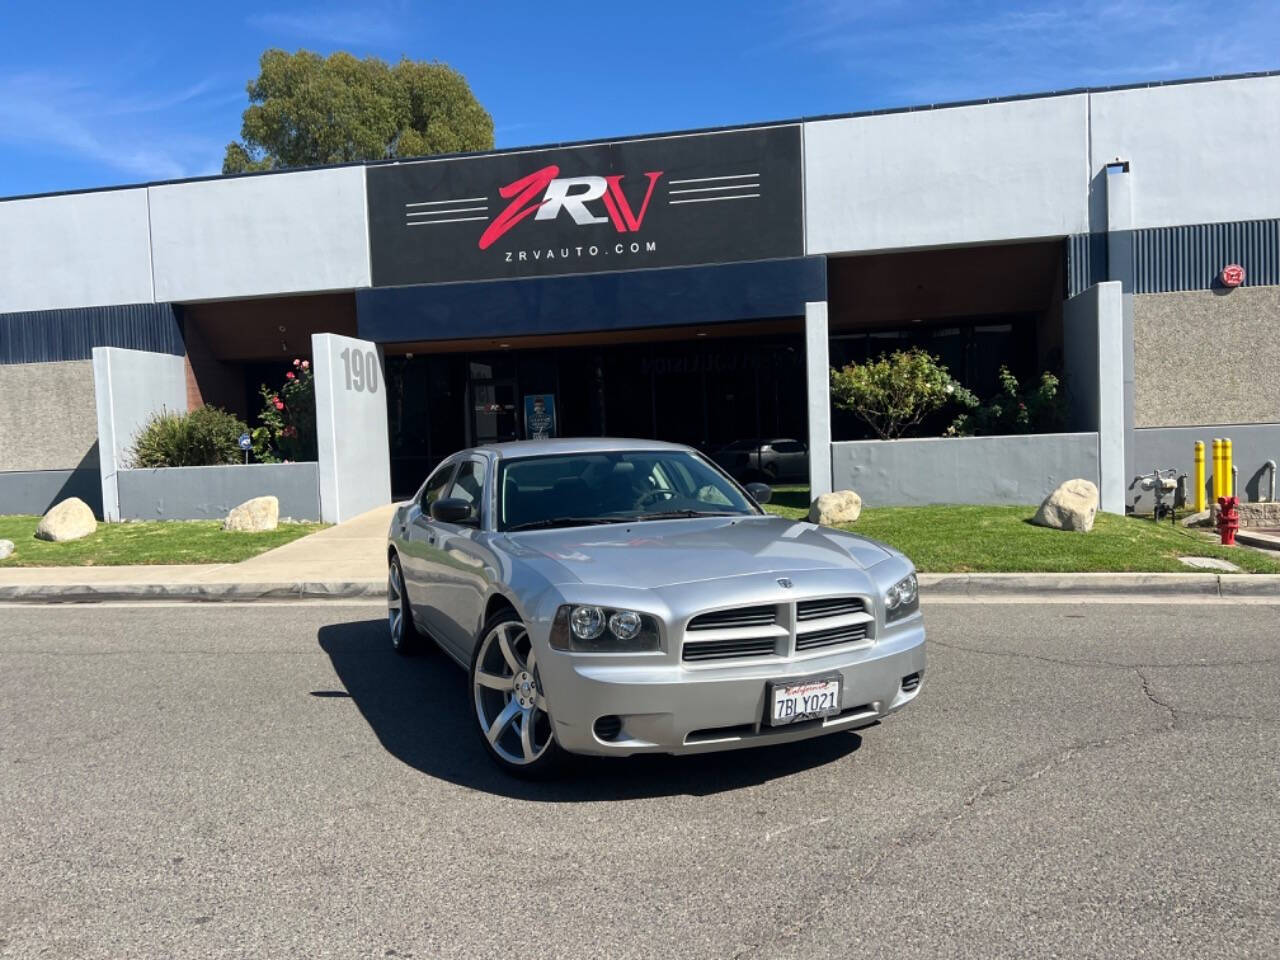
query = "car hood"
{"x": 659, "y": 553}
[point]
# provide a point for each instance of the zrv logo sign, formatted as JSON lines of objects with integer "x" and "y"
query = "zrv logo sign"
{"x": 570, "y": 194}
{"x": 706, "y": 198}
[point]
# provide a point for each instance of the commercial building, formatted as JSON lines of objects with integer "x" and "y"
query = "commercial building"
{"x": 697, "y": 287}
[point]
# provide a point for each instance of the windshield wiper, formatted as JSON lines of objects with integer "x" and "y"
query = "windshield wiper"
{"x": 683, "y": 514}
{"x": 562, "y": 522}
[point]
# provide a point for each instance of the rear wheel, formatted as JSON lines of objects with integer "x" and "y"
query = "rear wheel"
{"x": 510, "y": 707}
{"x": 406, "y": 639}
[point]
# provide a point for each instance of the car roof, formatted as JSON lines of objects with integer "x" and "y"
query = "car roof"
{"x": 568, "y": 445}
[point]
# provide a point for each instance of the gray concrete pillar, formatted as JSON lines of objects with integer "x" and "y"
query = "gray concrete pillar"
{"x": 818, "y": 381}
{"x": 1120, "y": 268}
{"x": 351, "y": 426}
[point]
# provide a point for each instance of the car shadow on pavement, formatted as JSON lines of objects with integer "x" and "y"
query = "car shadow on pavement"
{"x": 419, "y": 709}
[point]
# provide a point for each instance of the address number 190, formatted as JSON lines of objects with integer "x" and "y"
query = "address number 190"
{"x": 361, "y": 369}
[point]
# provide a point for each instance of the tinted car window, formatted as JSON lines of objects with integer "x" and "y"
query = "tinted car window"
{"x": 469, "y": 485}
{"x": 435, "y": 484}
{"x": 609, "y": 486}
{"x": 788, "y": 446}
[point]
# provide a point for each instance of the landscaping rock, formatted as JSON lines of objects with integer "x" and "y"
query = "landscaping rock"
{"x": 6, "y": 549}
{"x": 1202, "y": 519}
{"x": 69, "y": 520}
{"x": 254, "y": 516}
{"x": 1071, "y": 507}
{"x": 843, "y": 506}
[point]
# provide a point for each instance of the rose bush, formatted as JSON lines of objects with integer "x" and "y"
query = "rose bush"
{"x": 288, "y": 418}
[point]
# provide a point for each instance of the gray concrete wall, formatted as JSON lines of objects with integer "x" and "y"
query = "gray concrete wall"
{"x": 208, "y": 493}
{"x": 48, "y": 420}
{"x": 1207, "y": 356}
{"x": 35, "y": 491}
{"x": 981, "y": 470}
{"x": 75, "y": 250}
{"x": 1252, "y": 445}
{"x": 253, "y": 236}
{"x": 972, "y": 174}
{"x": 130, "y": 386}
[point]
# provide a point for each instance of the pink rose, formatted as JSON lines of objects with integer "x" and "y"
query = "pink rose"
{"x": 289, "y": 375}
{"x": 279, "y": 405}
{"x": 306, "y": 364}
{"x": 297, "y": 363}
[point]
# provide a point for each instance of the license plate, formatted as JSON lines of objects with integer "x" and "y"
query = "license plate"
{"x": 803, "y": 700}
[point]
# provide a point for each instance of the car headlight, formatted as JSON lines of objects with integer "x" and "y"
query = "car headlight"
{"x": 590, "y": 629}
{"x": 902, "y": 599}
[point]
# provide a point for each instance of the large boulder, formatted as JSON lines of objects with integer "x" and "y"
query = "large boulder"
{"x": 6, "y": 549}
{"x": 69, "y": 520}
{"x": 830, "y": 509}
{"x": 254, "y": 516}
{"x": 1071, "y": 507}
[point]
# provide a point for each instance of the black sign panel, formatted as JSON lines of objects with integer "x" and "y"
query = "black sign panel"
{"x": 672, "y": 201}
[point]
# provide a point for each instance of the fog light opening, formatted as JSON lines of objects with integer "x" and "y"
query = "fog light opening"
{"x": 911, "y": 683}
{"x": 608, "y": 727}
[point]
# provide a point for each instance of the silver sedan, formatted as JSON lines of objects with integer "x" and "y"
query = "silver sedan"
{"x": 621, "y": 597}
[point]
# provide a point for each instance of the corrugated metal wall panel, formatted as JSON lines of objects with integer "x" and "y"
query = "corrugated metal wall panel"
{"x": 1189, "y": 257}
{"x": 1086, "y": 261}
{"x": 48, "y": 336}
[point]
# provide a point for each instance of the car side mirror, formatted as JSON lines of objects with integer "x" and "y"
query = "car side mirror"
{"x": 452, "y": 510}
{"x": 761, "y": 493}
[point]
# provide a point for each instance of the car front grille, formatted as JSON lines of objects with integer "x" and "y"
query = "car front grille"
{"x": 832, "y": 636}
{"x": 762, "y": 616}
{"x": 729, "y": 649}
{"x": 831, "y": 607}
{"x": 768, "y": 630}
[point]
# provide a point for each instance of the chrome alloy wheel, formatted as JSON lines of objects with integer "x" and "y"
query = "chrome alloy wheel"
{"x": 396, "y": 604}
{"x": 510, "y": 706}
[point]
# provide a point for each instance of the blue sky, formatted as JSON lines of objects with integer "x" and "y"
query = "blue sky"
{"x": 95, "y": 93}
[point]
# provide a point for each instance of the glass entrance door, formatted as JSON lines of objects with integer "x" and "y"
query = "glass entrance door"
{"x": 494, "y": 414}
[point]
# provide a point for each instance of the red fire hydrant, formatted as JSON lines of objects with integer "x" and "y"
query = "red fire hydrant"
{"x": 1228, "y": 520}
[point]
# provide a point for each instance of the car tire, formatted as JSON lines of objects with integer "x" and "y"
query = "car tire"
{"x": 507, "y": 702}
{"x": 406, "y": 639}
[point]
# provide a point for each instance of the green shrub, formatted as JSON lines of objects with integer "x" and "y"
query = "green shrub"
{"x": 896, "y": 391}
{"x": 205, "y": 437}
{"x": 1040, "y": 408}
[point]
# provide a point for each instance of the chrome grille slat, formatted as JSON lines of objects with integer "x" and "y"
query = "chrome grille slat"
{"x": 829, "y": 638}
{"x": 831, "y": 607}
{"x": 729, "y": 649}
{"x": 759, "y": 616}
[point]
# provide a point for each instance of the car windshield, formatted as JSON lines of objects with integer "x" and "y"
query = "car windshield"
{"x": 586, "y": 488}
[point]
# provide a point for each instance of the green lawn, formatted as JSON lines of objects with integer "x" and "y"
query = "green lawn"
{"x": 176, "y": 541}
{"x": 962, "y": 539}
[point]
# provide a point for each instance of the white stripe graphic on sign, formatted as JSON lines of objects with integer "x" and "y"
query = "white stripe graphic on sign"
{"x": 431, "y": 223}
{"x": 438, "y": 213}
{"x": 722, "y": 187}
{"x": 736, "y": 196}
{"x": 732, "y": 176}
{"x": 436, "y": 203}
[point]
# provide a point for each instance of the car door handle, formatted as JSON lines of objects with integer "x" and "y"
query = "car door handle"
{"x": 431, "y": 538}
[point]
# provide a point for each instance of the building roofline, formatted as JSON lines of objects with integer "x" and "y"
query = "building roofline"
{"x": 756, "y": 125}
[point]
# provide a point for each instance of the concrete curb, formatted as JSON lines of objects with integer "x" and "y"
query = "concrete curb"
{"x": 1152, "y": 585}
{"x": 933, "y": 586}
{"x": 194, "y": 592}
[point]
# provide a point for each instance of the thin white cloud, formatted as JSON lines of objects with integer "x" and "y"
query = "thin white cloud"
{"x": 933, "y": 50}
{"x": 127, "y": 133}
{"x": 337, "y": 27}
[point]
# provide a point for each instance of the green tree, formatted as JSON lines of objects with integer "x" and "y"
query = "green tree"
{"x": 895, "y": 392}
{"x": 307, "y": 110}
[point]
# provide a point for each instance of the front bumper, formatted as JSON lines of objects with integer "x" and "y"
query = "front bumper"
{"x": 672, "y": 708}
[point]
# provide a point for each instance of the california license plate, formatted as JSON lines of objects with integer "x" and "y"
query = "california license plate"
{"x": 803, "y": 700}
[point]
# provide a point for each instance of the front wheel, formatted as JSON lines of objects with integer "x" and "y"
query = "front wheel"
{"x": 510, "y": 707}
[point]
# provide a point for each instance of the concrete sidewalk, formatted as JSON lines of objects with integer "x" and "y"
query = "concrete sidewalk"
{"x": 348, "y": 560}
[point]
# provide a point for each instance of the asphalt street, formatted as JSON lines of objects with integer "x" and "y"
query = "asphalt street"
{"x": 271, "y": 781}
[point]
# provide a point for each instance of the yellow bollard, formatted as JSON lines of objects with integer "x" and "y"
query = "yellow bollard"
{"x": 1228, "y": 483}
{"x": 1199, "y": 476}
{"x": 1217, "y": 469}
